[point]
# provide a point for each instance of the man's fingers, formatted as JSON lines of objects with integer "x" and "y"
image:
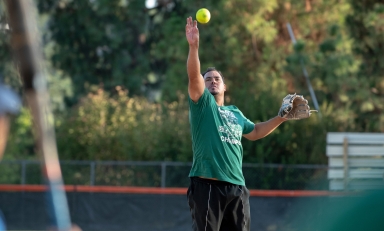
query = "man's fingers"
{"x": 188, "y": 26}
{"x": 191, "y": 23}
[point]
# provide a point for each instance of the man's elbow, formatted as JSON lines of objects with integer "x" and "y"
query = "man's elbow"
{"x": 252, "y": 137}
{"x": 255, "y": 138}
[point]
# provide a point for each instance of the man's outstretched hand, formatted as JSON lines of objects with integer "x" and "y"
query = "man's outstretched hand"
{"x": 192, "y": 32}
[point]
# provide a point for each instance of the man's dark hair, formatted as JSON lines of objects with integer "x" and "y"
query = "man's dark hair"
{"x": 213, "y": 69}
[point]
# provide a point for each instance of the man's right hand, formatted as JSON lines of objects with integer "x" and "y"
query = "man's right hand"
{"x": 192, "y": 32}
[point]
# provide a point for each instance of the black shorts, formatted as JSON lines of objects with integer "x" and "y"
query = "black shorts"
{"x": 218, "y": 205}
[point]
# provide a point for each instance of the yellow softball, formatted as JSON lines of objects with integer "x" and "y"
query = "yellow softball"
{"x": 203, "y": 15}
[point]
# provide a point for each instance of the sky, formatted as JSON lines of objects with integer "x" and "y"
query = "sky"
{"x": 150, "y": 3}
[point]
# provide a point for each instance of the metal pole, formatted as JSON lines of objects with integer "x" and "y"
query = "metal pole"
{"x": 92, "y": 173}
{"x": 311, "y": 91}
{"x": 26, "y": 48}
{"x": 163, "y": 174}
{"x": 345, "y": 162}
{"x": 23, "y": 172}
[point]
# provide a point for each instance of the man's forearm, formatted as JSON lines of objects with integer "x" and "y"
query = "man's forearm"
{"x": 263, "y": 129}
{"x": 193, "y": 62}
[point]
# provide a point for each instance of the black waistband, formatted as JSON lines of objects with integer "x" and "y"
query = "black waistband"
{"x": 209, "y": 181}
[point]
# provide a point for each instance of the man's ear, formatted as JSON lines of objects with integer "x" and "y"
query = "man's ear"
{"x": 225, "y": 87}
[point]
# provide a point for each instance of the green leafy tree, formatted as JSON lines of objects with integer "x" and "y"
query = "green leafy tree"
{"x": 103, "y": 44}
{"x": 366, "y": 29}
{"x": 346, "y": 69}
{"x": 98, "y": 43}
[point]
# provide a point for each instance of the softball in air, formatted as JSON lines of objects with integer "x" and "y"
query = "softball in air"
{"x": 203, "y": 16}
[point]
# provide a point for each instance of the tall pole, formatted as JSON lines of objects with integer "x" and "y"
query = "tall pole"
{"x": 311, "y": 91}
{"x": 26, "y": 49}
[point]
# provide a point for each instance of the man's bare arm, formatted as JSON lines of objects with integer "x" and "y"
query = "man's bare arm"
{"x": 263, "y": 129}
{"x": 196, "y": 82}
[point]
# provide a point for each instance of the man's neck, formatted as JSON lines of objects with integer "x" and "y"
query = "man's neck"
{"x": 219, "y": 100}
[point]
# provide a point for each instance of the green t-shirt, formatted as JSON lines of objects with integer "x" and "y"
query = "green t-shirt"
{"x": 216, "y": 139}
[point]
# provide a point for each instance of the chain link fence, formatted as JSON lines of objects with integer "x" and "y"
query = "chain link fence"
{"x": 163, "y": 174}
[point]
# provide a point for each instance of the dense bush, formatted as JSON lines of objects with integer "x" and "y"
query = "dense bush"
{"x": 119, "y": 127}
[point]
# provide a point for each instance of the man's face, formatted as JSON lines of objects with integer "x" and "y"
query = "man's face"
{"x": 214, "y": 83}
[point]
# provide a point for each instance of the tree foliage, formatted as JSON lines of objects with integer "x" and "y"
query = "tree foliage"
{"x": 98, "y": 42}
{"x": 121, "y": 69}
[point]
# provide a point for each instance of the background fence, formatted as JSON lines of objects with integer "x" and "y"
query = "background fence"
{"x": 94, "y": 211}
{"x": 163, "y": 174}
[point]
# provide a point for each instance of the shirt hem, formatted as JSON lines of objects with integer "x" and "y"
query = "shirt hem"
{"x": 218, "y": 178}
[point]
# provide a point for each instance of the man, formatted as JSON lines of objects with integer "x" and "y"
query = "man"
{"x": 217, "y": 195}
{"x": 9, "y": 104}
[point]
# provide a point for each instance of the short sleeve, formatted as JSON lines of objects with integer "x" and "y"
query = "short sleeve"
{"x": 248, "y": 126}
{"x": 201, "y": 103}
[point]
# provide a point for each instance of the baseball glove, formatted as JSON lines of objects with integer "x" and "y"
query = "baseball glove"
{"x": 295, "y": 107}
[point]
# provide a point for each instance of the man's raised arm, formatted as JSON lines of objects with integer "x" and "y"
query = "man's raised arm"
{"x": 196, "y": 82}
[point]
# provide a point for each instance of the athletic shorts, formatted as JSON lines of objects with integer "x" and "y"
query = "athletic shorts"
{"x": 218, "y": 205}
